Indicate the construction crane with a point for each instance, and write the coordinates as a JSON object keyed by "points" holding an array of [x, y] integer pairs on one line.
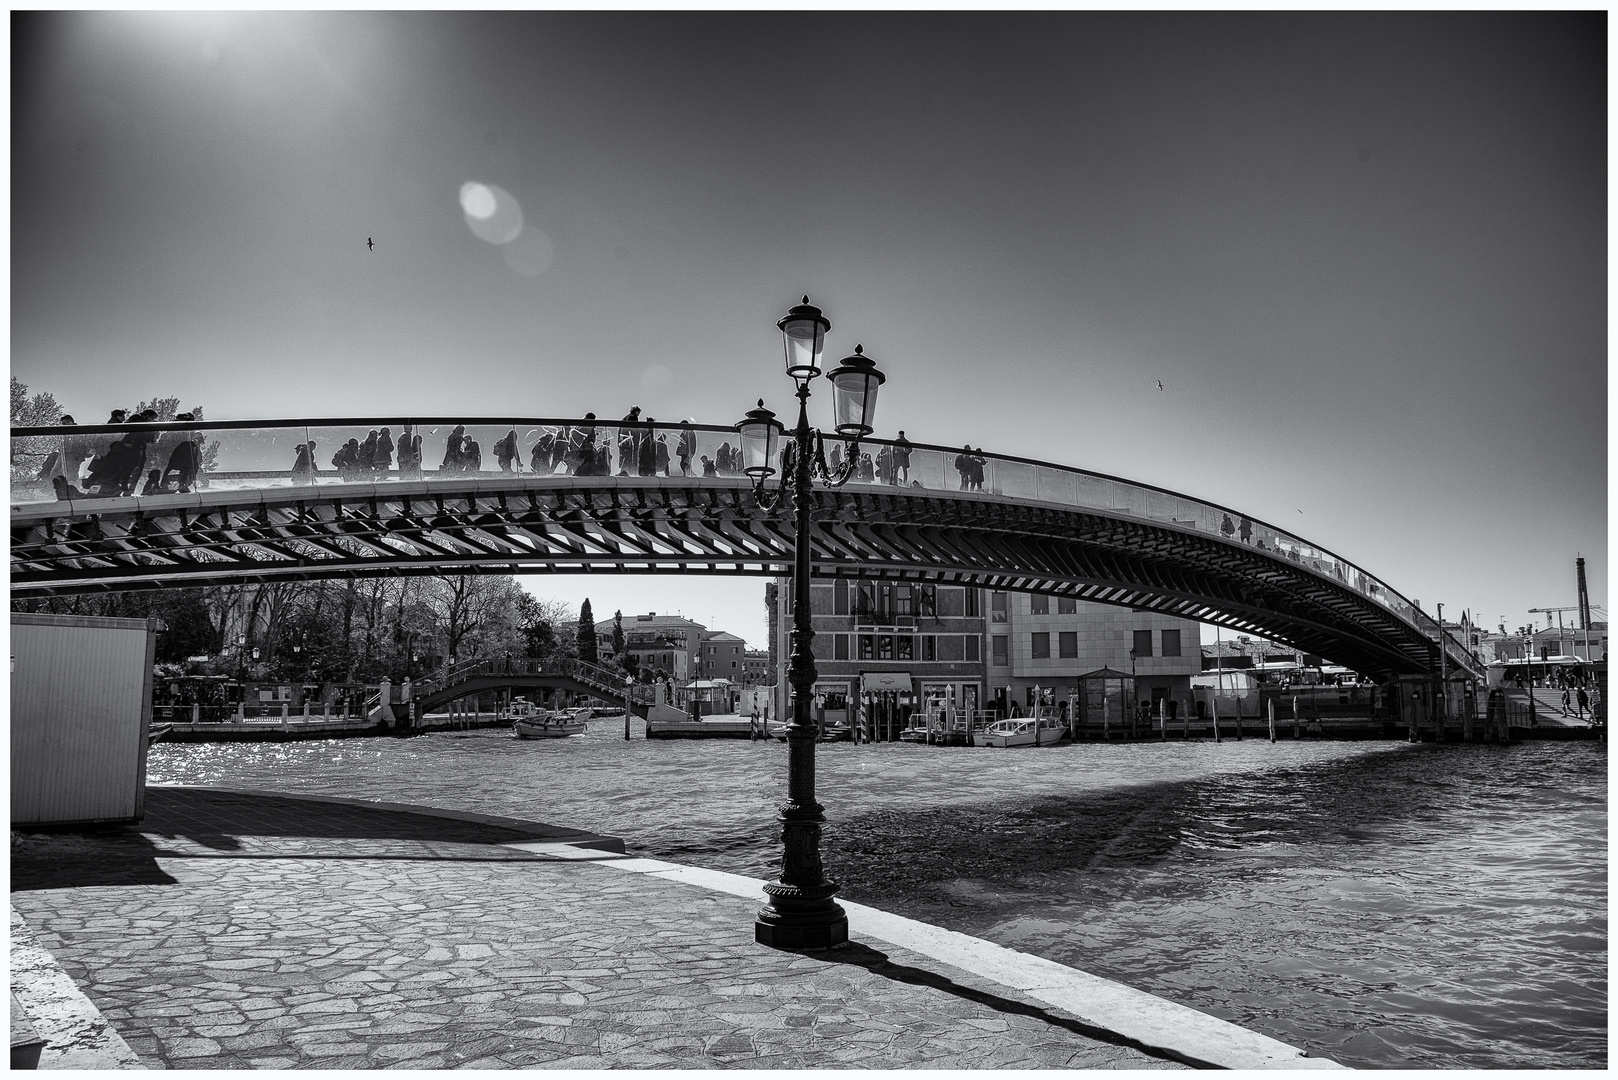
{"points": [[1557, 611]]}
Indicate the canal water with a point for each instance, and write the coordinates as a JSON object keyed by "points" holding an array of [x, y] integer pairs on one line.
{"points": [[1379, 903]]}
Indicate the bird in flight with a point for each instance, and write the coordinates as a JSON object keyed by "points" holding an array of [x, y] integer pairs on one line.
{"points": [[1160, 386], [371, 244]]}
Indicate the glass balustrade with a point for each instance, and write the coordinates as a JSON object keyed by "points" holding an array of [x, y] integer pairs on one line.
{"points": [[103, 466]]}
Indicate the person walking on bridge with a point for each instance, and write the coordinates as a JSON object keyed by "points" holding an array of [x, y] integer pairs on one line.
{"points": [[901, 458], [505, 451], [185, 461], [382, 456], [686, 448]]}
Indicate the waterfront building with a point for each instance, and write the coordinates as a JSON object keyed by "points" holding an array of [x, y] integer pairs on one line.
{"points": [[670, 644], [1546, 643], [1048, 642], [757, 670], [722, 656], [883, 648], [1243, 651]]}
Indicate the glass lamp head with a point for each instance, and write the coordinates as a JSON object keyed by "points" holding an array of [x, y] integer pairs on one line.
{"points": [[854, 384], [759, 431], [803, 332]]}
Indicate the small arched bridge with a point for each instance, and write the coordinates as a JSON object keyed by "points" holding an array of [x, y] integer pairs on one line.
{"points": [[526, 673], [569, 496]]}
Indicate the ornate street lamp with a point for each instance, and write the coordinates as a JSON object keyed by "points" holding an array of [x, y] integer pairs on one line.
{"points": [[800, 912]]}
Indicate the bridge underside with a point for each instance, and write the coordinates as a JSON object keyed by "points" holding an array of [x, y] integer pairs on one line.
{"points": [[685, 526], [482, 685]]}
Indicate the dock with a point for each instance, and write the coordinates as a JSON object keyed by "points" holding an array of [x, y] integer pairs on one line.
{"points": [[709, 727]]}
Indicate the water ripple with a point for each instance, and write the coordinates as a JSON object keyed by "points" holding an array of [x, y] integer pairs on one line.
{"points": [[1379, 903]]}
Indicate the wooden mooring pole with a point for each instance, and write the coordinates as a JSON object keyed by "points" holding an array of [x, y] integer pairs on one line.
{"points": [[1294, 716], [1213, 702], [1271, 704]]}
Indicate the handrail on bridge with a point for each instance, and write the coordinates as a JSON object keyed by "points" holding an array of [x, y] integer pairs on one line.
{"points": [[290, 453], [610, 682]]}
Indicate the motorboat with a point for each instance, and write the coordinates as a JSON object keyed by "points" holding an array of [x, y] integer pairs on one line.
{"points": [[777, 730], [528, 722], [1012, 732], [1022, 731]]}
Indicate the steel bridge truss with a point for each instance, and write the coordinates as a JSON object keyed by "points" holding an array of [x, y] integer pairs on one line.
{"points": [[689, 525]]}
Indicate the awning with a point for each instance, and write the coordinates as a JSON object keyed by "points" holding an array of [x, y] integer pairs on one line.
{"points": [[885, 680]]}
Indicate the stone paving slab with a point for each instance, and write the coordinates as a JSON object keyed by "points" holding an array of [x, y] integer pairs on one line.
{"points": [[255, 941]]}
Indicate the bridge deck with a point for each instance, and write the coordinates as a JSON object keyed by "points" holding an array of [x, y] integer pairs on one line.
{"points": [[916, 512]]}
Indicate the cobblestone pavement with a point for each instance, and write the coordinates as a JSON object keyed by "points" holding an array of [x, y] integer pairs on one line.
{"points": [[247, 931]]}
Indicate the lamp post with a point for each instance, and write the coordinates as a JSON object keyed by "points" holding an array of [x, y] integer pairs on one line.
{"points": [[799, 912]]}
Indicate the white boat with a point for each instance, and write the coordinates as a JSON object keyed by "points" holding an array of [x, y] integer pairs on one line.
{"points": [[1023, 731], [528, 722]]}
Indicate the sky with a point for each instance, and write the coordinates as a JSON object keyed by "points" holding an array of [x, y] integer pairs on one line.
{"points": [[1365, 253]]}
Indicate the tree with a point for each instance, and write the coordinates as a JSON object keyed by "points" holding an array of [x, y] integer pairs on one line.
{"points": [[41, 410], [618, 635], [587, 633], [537, 621]]}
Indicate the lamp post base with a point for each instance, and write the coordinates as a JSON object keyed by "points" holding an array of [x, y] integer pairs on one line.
{"points": [[824, 931]]}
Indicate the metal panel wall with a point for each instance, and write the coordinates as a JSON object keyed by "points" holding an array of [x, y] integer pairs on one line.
{"points": [[80, 707]]}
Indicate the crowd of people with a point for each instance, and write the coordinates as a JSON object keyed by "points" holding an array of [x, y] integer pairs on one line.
{"points": [[117, 466], [110, 466]]}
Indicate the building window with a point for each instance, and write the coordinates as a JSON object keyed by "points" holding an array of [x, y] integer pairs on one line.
{"points": [[867, 647], [1039, 604], [1066, 605], [905, 648], [1001, 653], [929, 647], [839, 647], [974, 645], [1143, 643], [997, 607], [1068, 642], [884, 647], [972, 609], [904, 599], [1042, 646], [1171, 643], [839, 594], [929, 601]]}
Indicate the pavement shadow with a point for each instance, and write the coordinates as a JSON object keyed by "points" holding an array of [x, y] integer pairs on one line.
{"points": [[63, 860], [69, 858], [216, 819], [878, 963]]}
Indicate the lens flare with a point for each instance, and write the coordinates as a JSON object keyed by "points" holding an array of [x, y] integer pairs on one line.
{"points": [[477, 200]]}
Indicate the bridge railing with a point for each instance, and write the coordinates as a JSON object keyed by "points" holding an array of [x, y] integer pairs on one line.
{"points": [[610, 680], [86, 465]]}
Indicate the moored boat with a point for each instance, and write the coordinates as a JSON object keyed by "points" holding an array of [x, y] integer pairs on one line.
{"points": [[1022, 731], [528, 722], [1009, 732]]}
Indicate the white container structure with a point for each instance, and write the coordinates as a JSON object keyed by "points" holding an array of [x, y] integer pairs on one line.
{"points": [[81, 703]]}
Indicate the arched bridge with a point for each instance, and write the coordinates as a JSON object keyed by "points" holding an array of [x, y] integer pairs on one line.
{"points": [[526, 673], [572, 496]]}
